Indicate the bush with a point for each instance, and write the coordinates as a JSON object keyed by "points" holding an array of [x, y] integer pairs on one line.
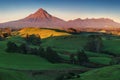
{"points": [[33, 39], [12, 47], [72, 59], [94, 44], [82, 57], [23, 48], [41, 52], [52, 56]]}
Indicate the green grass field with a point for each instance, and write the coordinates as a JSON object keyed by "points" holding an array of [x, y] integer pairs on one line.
{"points": [[10, 62], [70, 44], [13, 75], [106, 73], [101, 60], [112, 46], [73, 42], [27, 62], [62, 44]]}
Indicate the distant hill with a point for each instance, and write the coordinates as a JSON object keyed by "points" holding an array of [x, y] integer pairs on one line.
{"points": [[44, 33], [101, 23], [43, 19], [106, 73]]}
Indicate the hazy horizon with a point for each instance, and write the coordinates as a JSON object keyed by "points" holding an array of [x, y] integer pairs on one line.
{"points": [[64, 9]]}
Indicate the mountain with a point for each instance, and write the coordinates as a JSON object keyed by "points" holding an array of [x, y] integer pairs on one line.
{"points": [[100, 23], [39, 19], [43, 19]]}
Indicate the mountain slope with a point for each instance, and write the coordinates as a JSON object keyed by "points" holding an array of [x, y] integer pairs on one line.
{"points": [[43, 19], [101, 23], [39, 19]]}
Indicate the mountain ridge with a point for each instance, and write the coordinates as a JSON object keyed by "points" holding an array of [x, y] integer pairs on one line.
{"points": [[41, 18]]}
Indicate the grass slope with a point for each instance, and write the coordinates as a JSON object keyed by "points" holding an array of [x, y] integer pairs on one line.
{"points": [[29, 62], [106, 73], [26, 62], [44, 33], [112, 46], [100, 60], [13, 75], [73, 42]]}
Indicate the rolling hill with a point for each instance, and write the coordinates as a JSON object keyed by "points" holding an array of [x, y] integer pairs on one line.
{"points": [[13, 75], [44, 33], [106, 73]]}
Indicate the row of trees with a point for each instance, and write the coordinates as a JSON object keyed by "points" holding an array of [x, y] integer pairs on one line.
{"points": [[80, 58], [48, 53], [94, 44]]}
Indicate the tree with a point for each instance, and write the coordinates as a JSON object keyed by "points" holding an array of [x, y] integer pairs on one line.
{"points": [[33, 39], [72, 59], [41, 52], [94, 43], [1, 38], [12, 47], [34, 51], [23, 48], [52, 55], [82, 57]]}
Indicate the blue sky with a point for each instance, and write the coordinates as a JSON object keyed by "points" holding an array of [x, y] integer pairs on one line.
{"points": [[66, 9]]}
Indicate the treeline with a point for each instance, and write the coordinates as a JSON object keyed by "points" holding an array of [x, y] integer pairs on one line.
{"points": [[24, 48], [80, 58], [94, 44], [48, 53]]}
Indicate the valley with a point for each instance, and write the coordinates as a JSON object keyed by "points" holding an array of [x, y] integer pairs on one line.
{"points": [[34, 67]]}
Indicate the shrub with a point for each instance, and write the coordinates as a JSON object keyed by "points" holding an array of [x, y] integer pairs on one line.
{"points": [[33, 39], [12, 47], [82, 57]]}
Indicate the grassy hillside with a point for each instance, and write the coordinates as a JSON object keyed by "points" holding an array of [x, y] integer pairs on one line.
{"points": [[73, 42], [27, 62], [44, 33], [63, 41], [13, 75], [70, 44], [106, 73], [100, 60], [10, 63], [112, 46], [64, 45]]}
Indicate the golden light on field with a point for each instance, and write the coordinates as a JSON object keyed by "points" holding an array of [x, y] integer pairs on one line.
{"points": [[44, 33]]}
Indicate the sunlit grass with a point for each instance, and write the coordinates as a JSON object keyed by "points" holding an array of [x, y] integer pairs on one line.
{"points": [[44, 33]]}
